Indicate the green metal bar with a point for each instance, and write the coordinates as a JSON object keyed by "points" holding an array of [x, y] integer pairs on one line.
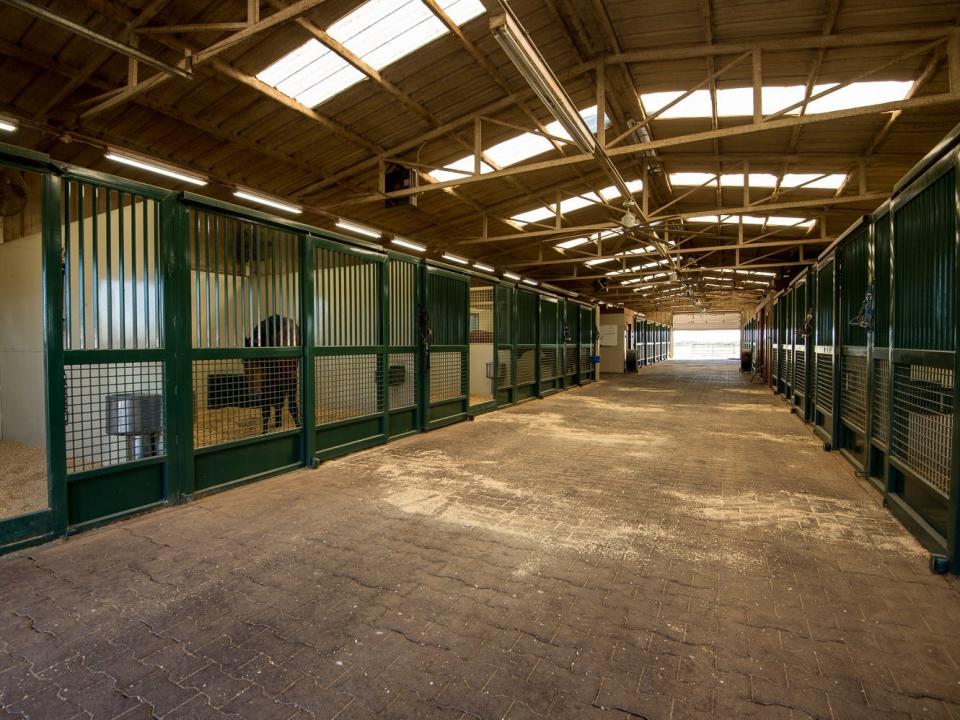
{"points": [[134, 275], [53, 324], [217, 317], [308, 340], [81, 228], [109, 271], [953, 520], [67, 330], [95, 247], [94, 357]]}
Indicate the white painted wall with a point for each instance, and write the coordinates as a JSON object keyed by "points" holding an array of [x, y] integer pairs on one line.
{"points": [[22, 400]]}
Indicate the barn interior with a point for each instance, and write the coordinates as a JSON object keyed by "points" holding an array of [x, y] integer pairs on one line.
{"points": [[479, 358]]}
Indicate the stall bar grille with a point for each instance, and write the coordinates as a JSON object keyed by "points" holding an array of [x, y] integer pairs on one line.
{"points": [[403, 380], [504, 368], [776, 363], [586, 367], [788, 366], [114, 414], [448, 376], [853, 391], [800, 376], [570, 360], [526, 365], [881, 400], [825, 382], [923, 423], [782, 364], [240, 398], [347, 387], [549, 358]]}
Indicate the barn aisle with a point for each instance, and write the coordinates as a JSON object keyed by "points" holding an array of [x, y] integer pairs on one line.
{"points": [[694, 553]]}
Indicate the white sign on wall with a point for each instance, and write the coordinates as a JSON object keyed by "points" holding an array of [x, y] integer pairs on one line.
{"points": [[608, 335]]}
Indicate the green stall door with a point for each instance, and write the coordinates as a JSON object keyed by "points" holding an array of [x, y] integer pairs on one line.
{"points": [[446, 350]]}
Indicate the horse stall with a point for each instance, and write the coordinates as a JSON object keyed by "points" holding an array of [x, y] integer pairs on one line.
{"points": [[879, 350], [403, 383], [447, 355], [853, 286], [504, 328], [550, 345], [802, 337], [528, 315], [586, 339], [483, 369], [825, 410], [246, 341], [24, 490], [568, 335], [923, 480]]}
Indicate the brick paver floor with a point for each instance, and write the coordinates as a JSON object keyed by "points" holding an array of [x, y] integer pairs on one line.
{"points": [[666, 545]]}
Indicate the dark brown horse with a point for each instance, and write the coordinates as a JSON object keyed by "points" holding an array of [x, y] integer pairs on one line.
{"points": [[272, 382]]}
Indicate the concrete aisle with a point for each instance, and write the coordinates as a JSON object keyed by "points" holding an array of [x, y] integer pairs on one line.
{"points": [[666, 545]]}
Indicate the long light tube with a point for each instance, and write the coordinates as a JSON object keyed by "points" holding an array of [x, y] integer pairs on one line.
{"points": [[256, 197], [8, 125], [358, 229], [456, 259], [409, 244], [126, 158]]}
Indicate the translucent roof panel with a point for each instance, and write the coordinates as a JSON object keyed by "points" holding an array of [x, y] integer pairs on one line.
{"points": [[738, 102], [464, 164], [379, 32], [612, 193], [778, 220], [568, 205], [521, 147], [574, 242], [819, 181]]}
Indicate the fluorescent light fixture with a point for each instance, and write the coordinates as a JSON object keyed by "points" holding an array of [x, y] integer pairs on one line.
{"points": [[256, 197], [358, 229], [154, 167], [456, 259], [534, 69], [528, 281], [482, 267], [409, 244], [511, 276], [8, 125]]}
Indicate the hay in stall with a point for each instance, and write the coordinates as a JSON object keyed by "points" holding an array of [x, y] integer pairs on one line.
{"points": [[23, 479]]}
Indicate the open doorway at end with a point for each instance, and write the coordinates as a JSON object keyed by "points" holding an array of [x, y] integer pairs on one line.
{"points": [[706, 336]]}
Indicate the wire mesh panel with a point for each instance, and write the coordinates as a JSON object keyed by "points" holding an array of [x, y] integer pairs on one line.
{"points": [[347, 387], [402, 380], [825, 382], [448, 376], [239, 398], [923, 422], [881, 401], [114, 413], [853, 391]]}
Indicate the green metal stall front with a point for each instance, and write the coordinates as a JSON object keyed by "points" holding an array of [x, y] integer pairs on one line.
{"points": [[802, 342], [505, 338], [587, 368], [824, 366], [528, 313], [550, 345], [923, 481], [879, 350], [446, 350], [853, 280]]}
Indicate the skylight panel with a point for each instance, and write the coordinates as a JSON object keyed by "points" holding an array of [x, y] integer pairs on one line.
{"points": [[738, 102], [464, 164], [572, 243], [859, 94], [691, 179], [568, 205], [817, 181], [379, 32], [521, 147], [612, 193], [757, 180], [755, 220]]}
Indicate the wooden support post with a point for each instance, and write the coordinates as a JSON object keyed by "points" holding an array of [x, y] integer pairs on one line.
{"points": [[953, 59], [477, 144], [133, 66], [253, 12], [601, 105]]}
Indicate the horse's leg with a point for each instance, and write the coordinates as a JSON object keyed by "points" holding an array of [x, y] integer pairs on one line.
{"points": [[278, 413]]}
